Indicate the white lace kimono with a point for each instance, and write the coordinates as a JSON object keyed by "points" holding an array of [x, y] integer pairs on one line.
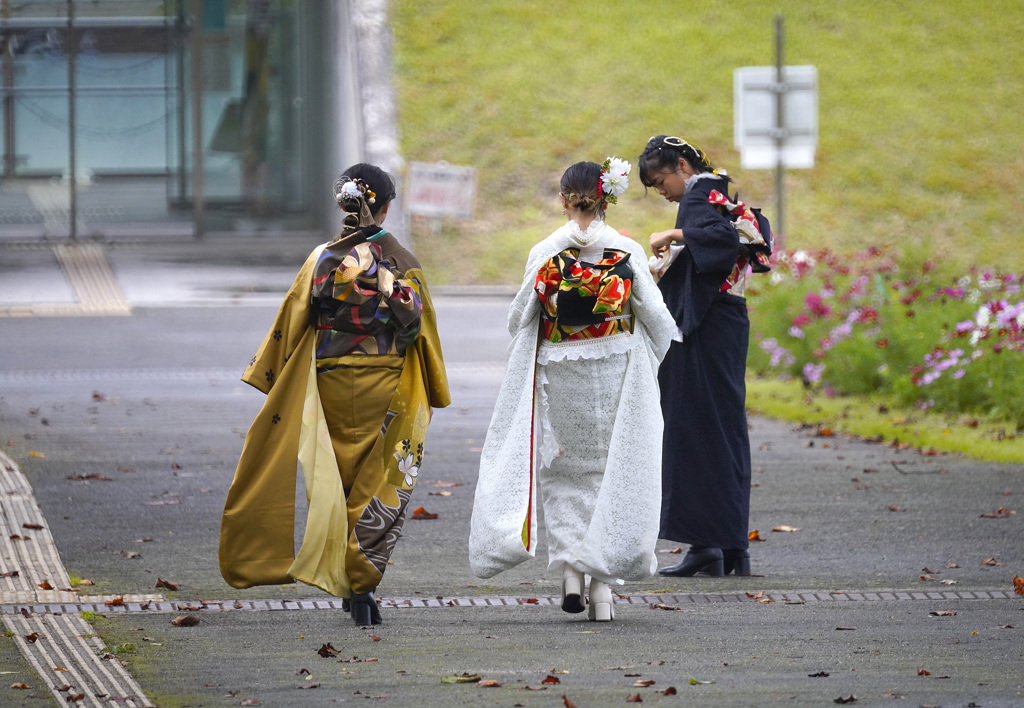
{"points": [[582, 419]]}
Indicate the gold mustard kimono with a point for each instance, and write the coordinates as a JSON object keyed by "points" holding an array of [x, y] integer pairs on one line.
{"points": [[357, 429]]}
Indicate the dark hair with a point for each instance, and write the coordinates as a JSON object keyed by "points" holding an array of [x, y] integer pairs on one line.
{"points": [[581, 186], [663, 153], [379, 182]]}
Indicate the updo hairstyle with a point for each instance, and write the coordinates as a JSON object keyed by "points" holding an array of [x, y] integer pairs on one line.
{"points": [[663, 153], [369, 178], [581, 187]]}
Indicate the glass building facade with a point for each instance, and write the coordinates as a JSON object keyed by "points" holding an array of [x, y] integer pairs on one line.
{"points": [[112, 92]]}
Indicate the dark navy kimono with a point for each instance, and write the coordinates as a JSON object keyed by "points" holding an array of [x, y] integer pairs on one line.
{"points": [[706, 452]]}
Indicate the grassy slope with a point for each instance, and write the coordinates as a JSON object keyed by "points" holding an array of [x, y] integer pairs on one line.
{"points": [[919, 143]]}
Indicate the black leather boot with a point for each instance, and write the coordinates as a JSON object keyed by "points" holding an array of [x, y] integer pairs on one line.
{"points": [[737, 561], [698, 560], [364, 609]]}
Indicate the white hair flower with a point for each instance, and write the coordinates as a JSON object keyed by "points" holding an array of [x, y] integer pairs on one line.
{"points": [[614, 180], [349, 190]]}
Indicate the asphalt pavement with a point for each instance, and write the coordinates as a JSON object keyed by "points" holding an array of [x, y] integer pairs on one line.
{"points": [[120, 405]]}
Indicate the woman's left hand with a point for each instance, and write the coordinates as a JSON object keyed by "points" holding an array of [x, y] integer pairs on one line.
{"points": [[661, 240]]}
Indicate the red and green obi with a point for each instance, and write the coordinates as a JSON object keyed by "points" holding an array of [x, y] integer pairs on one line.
{"points": [[582, 300]]}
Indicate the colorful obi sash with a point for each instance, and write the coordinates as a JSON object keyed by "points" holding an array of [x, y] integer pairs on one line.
{"points": [[361, 304], [754, 250], [583, 300]]}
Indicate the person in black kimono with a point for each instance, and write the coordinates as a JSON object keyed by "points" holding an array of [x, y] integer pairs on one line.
{"points": [[706, 448]]}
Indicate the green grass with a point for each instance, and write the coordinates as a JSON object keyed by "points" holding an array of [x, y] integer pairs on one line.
{"points": [[878, 418], [919, 141]]}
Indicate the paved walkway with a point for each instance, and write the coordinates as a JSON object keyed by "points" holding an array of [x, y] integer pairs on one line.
{"points": [[121, 425]]}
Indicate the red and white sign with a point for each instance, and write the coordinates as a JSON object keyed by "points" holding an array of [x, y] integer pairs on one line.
{"points": [[439, 189]]}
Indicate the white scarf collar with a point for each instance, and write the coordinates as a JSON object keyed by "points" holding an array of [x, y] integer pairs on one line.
{"points": [[585, 238], [693, 179]]}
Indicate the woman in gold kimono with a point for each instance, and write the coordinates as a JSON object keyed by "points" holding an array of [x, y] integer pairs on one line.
{"points": [[352, 368]]}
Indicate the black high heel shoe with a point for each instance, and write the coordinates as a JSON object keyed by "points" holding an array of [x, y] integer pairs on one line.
{"points": [[709, 561], [737, 562], [364, 609]]}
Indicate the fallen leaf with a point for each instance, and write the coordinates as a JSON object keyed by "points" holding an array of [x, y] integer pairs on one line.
{"points": [[635, 699], [39, 455], [765, 601], [74, 698], [990, 561], [529, 601], [1000, 513], [328, 650], [160, 583], [421, 513], [33, 527], [1018, 585], [849, 699], [461, 678], [923, 672], [845, 629], [926, 569], [670, 691], [662, 606], [10, 574], [893, 507], [488, 683], [439, 494], [754, 596], [567, 703], [927, 577], [754, 536], [185, 621], [116, 602], [552, 679], [249, 702], [947, 581], [785, 529], [45, 585], [439, 483], [643, 683], [32, 638], [312, 685], [698, 682], [952, 565], [534, 688], [671, 550], [820, 674], [374, 637], [23, 686], [942, 613]]}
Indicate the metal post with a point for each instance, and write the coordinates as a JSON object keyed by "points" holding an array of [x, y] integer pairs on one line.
{"points": [[10, 161], [73, 183], [198, 185], [780, 124]]}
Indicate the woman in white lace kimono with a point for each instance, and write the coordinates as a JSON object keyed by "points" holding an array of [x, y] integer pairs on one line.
{"points": [[578, 412]]}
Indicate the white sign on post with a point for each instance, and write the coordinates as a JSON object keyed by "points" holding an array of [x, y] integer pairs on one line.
{"points": [[757, 135], [439, 189]]}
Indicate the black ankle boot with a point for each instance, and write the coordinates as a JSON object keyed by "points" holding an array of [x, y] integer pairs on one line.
{"points": [[698, 560], [737, 561], [364, 609]]}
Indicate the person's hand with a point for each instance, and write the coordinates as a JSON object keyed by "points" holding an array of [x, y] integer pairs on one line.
{"points": [[661, 240]]}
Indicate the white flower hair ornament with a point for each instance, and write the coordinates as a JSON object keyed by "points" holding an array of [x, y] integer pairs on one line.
{"points": [[614, 179], [354, 189]]}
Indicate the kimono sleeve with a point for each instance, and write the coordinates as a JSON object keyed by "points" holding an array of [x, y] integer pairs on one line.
{"points": [[710, 237], [284, 335], [429, 345]]}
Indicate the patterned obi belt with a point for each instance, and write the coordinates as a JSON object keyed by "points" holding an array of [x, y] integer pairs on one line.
{"points": [[582, 300], [362, 305]]}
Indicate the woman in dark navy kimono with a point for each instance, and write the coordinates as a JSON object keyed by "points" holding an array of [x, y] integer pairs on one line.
{"points": [[706, 454]]}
